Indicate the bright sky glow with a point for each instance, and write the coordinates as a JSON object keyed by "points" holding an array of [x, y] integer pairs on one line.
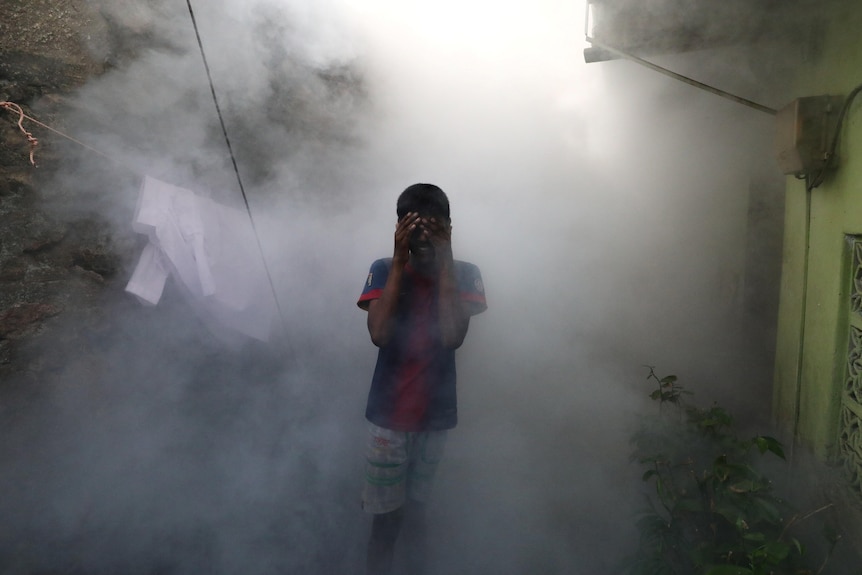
{"points": [[479, 27]]}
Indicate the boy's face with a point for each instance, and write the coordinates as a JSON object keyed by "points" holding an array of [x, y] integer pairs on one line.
{"points": [[421, 245]]}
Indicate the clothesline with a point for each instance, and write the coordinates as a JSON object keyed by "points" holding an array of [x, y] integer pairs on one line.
{"points": [[13, 107], [17, 109]]}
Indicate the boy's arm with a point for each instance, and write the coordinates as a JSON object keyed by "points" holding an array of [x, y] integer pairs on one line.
{"points": [[381, 312], [453, 317]]}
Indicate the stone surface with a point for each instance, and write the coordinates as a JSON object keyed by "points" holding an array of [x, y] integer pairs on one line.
{"points": [[47, 48]]}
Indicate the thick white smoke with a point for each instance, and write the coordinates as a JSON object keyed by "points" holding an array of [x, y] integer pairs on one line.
{"points": [[605, 205]]}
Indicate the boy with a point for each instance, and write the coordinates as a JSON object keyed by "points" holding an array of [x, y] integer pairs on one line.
{"points": [[419, 304]]}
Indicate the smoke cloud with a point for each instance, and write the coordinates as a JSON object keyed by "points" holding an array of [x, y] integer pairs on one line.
{"points": [[606, 206]]}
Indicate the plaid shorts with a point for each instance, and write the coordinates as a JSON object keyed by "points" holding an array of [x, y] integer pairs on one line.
{"points": [[400, 465]]}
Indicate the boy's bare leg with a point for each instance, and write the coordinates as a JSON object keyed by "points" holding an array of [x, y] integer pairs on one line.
{"points": [[381, 546], [415, 537]]}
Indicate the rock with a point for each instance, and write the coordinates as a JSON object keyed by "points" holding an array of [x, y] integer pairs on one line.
{"points": [[20, 318]]}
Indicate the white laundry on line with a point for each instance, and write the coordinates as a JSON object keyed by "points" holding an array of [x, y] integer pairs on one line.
{"points": [[210, 248]]}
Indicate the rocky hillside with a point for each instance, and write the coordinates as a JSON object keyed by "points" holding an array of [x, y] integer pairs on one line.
{"points": [[48, 49], [93, 385], [63, 264]]}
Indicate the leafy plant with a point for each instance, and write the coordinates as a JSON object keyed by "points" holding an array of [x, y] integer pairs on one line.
{"points": [[711, 511]]}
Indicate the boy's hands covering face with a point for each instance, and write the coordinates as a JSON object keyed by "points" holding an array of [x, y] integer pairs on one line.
{"points": [[425, 237], [438, 231], [403, 230]]}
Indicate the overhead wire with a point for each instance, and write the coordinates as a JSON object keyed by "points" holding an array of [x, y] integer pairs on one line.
{"points": [[235, 166], [682, 78]]}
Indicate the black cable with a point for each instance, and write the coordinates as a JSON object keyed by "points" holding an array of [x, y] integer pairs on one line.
{"points": [[685, 79], [235, 167]]}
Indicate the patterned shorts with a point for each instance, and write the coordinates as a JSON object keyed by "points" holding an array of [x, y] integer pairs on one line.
{"points": [[400, 465]]}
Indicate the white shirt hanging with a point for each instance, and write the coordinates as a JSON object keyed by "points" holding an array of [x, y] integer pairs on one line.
{"points": [[210, 248]]}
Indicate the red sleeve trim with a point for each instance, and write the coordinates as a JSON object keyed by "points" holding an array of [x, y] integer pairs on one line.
{"points": [[476, 302], [475, 297], [368, 296]]}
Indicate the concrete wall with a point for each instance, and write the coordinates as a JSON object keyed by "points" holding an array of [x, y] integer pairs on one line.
{"points": [[812, 328]]}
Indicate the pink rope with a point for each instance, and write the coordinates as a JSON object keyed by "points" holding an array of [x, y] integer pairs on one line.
{"points": [[13, 107]]}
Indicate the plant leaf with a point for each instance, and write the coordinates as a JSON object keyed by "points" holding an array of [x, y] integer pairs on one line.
{"points": [[765, 443], [777, 551], [689, 504], [744, 486], [727, 570]]}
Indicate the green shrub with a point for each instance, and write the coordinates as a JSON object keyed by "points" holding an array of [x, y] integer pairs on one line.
{"points": [[712, 510]]}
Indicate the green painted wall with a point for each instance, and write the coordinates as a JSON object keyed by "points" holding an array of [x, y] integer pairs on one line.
{"points": [[811, 343]]}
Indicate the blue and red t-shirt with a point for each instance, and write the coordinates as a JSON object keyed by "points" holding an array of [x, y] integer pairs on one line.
{"points": [[413, 388]]}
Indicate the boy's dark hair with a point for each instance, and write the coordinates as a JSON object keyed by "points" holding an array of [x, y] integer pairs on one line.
{"points": [[426, 199]]}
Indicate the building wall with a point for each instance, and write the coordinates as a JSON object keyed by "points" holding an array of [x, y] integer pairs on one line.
{"points": [[811, 347]]}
